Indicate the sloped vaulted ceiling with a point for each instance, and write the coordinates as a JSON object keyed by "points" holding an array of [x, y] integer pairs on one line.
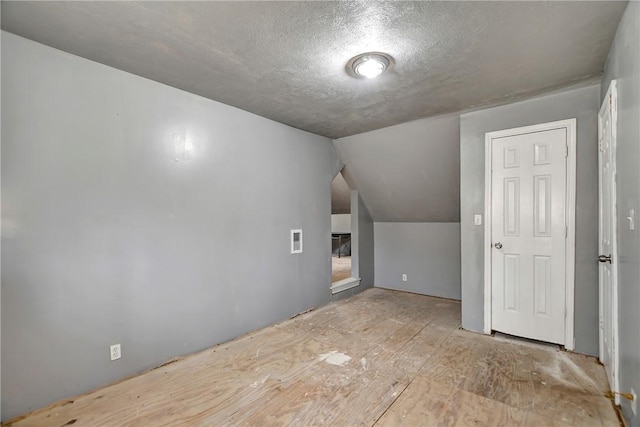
{"points": [[409, 172], [340, 196]]}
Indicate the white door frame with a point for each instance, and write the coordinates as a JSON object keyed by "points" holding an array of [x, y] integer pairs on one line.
{"points": [[610, 97], [570, 220]]}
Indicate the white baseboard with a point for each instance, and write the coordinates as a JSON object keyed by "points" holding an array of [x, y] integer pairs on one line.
{"points": [[345, 284]]}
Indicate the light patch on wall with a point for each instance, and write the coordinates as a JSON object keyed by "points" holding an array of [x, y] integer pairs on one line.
{"points": [[185, 145]]}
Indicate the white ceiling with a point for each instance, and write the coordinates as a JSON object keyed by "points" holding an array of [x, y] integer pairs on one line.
{"points": [[285, 60]]}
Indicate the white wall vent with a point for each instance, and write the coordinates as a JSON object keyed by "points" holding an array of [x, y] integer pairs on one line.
{"points": [[296, 241]]}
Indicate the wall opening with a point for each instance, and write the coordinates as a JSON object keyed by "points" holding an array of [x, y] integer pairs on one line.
{"points": [[340, 229]]}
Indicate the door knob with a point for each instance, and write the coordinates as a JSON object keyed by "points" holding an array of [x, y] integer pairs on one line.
{"points": [[604, 258], [498, 245]]}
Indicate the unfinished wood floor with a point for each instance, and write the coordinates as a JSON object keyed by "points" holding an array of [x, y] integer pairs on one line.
{"points": [[380, 358]]}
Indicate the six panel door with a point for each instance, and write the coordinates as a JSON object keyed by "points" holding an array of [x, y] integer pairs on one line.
{"points": [[528, 235]]}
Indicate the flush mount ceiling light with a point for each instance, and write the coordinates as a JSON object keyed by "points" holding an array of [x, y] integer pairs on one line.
{"points": [[369, 65]]}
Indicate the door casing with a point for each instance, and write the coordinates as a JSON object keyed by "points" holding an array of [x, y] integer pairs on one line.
{"points": [[570, 215]]}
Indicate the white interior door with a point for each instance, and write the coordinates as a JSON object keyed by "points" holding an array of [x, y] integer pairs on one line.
{"points": [[528, 232], [607, 237]]}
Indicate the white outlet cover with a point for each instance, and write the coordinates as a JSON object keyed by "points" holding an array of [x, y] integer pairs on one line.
{"points": [[115, 352], [477, 219], [404, 277]]}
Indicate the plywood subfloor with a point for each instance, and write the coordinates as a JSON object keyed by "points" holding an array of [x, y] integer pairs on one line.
{"points": [[340, 268], [383, 358]]}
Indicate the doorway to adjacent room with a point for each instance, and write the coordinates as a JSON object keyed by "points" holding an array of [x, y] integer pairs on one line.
{"points": [[340, 229]]}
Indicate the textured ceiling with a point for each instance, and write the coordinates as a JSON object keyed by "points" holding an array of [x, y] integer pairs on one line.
{"points": [[285, 60]]}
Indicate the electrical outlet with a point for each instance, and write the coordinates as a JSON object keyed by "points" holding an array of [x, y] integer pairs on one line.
{"points": [[477, 219], [634, 402], [115, 352], [404, 277]]}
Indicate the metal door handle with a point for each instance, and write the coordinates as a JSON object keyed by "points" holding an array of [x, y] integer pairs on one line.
{"points": [[498, 245], [604, 258]]}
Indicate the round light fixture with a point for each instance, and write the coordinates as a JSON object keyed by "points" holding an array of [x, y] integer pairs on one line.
{"points": [[369, 65]]}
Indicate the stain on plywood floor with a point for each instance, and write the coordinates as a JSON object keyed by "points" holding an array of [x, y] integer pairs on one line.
{"points": [[382, 357]]}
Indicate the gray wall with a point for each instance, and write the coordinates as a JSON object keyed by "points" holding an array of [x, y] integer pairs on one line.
{"points": [[406, 173], [362, 242], [1, 220], [583, 104], [429, 253], [107, 239], [341, 223], [624, 65]]}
